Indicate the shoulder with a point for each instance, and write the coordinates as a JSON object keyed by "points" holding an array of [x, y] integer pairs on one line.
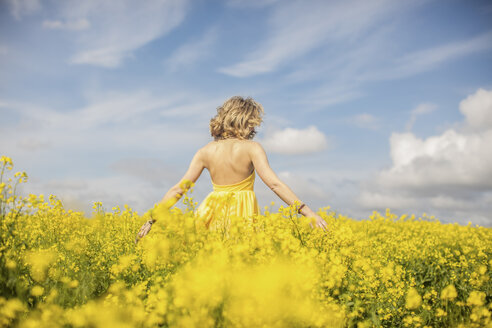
{"points": [[254, 144], [211, 145], [207, 146], [202, 151], [254, 147], [205, 150]]}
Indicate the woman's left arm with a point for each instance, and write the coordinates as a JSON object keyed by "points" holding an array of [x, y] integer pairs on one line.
{"points": [[174, 194], [194, 171]]}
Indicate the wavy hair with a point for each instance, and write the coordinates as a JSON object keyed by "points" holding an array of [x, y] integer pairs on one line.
{"points": [[236, 118]]}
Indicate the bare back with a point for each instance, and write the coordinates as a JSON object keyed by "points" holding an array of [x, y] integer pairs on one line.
{"points": [[231, 161], [228, 161]]}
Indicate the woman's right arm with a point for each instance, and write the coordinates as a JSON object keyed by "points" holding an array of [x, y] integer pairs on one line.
{"points": [[262, 167]]}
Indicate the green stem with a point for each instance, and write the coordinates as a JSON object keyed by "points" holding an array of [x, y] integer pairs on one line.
{"points": [[297, 229]]}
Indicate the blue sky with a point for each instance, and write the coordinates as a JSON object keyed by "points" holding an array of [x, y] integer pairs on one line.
{"points": [[368, 104]]}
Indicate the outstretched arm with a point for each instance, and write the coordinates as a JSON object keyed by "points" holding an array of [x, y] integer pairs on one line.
{"points": [[194, 171], [260, 162], [174, 194]]}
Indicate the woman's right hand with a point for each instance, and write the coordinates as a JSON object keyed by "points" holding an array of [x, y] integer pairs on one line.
{"points": [[319, 223]]}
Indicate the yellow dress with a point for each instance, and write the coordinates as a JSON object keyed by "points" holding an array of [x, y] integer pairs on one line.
{"points": [[237, 199]]}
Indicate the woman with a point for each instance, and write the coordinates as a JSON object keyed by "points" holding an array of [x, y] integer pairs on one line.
{"points": [[232, 159]]}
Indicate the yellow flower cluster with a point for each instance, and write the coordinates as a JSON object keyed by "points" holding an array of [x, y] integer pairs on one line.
{"points": [[413, 299], [60, 268]]}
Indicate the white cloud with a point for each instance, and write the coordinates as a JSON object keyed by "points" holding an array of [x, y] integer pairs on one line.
{"points": [[379, 200], [19, 8], [450, 160], [190, 53], [76, 25], [477, 109], [421, 109], [296, 141], [109, 32], [450, 173]]}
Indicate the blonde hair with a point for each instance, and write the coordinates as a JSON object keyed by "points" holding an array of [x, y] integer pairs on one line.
{"points": [[235, 118]]}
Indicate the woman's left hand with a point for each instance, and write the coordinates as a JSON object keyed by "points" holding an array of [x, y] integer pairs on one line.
{"points": [[144, 230]]}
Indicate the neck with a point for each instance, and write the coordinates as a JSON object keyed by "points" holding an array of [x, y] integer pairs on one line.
{"points": [[229, 139]]}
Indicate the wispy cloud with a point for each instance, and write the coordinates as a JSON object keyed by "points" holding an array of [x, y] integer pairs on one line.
{"points": [[328, 94], [192, 109], [421, 109], [118, 108], [365, 121], [114, 107], [343, 46], [190, 53], [250, 3], [308, 28], [427, 59], [19, 8], [109, 32], [77, 25], [116, 121]]}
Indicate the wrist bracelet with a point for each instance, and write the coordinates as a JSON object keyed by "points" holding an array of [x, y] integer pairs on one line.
{"points": [[299, 209]]}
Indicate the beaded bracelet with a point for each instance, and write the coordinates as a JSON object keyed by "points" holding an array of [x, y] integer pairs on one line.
{"points": [[299, 209]]}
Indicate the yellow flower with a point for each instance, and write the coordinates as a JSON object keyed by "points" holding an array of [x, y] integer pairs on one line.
{"points": [[73, 283], [9, 309], [441, 313], [476, 298], [11, 264], [413, 299], [37, 290], [186, 184], [449, 293], [65, 279], [39, 261]]}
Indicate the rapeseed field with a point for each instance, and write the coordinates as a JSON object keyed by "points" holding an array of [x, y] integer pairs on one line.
{"points": [[61, 269]]}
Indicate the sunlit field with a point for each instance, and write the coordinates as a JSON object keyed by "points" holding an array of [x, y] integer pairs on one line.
{"points": [[61, 269]]}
